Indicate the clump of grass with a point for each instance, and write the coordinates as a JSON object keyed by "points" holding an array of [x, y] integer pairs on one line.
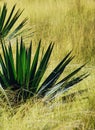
{"points": [[56, 116], [88, 118]]}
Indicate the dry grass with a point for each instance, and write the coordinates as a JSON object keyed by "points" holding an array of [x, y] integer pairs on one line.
{"points": [[70, 24], [79, 115]]}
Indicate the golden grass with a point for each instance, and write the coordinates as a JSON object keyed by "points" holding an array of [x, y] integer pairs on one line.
{"points": [[71, 25], [79, 115]]}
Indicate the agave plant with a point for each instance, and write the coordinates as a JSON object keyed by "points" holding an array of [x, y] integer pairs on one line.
{"points": [[25, 76], [7, 23]]}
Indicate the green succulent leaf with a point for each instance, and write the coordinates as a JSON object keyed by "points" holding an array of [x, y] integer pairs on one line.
{"points": [[7, 23], [35, 62], [62, 87], [42, 67], [55, 74]]}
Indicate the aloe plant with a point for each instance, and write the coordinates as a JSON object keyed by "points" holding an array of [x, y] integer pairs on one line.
{"points": [[25, 76], [7, 23]]}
